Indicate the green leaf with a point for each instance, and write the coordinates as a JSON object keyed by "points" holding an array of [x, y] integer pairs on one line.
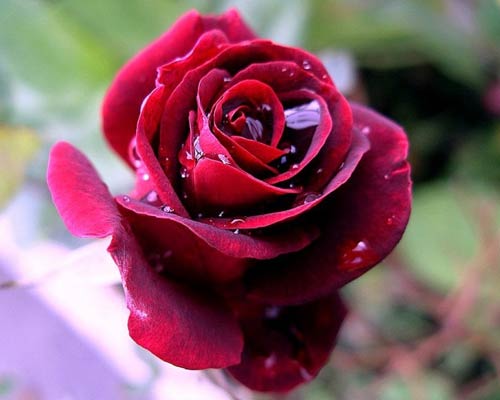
{"points": [[17, 148], [442, 236]]}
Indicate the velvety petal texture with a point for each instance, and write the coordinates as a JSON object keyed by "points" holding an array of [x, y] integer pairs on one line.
{"points": [[259, 192]]}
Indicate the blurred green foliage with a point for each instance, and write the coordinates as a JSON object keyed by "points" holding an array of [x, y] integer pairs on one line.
{"points": [[425, 63]]}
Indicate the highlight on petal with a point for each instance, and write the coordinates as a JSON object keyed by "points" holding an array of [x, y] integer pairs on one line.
{"points": [[286, 346], [369, 213], [189, 327], [136, 79], [81, 198]]}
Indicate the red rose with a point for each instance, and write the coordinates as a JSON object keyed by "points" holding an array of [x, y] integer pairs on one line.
{"points": [[260, 191]]}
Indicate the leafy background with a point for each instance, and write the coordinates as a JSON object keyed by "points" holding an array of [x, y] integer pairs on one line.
{"points": [[426, 324]]}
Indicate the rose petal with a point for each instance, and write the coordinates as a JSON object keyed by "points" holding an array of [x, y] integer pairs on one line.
{"points": [[286, 346], [307, 200], [364, 220], [137, 78], [154, 223], [81, 198], [217, 186], [151, 172], [188, 327]]}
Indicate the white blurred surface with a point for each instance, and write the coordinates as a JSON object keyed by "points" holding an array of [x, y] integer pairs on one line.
{"points": [[64, 334]]}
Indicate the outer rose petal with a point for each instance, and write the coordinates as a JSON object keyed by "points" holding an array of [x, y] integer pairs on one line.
{"points": [[183, 326], [136, 79], [364, 220], [287, 346], [81, 198], [187, 327]]}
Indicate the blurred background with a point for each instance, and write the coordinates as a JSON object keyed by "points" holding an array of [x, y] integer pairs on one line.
{"points": [[424, 325]]}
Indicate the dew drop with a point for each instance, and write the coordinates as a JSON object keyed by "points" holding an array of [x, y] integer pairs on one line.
{"points": [[310, 197], [366, 130], [389, 221], [386, 177], [284, 69], [126, 199], [189, 156], [292, 149], [324, 76], [254, 128], [184, 195], [270, 361], [358, 256], [152, 197], [145, 177], [167, 209], [237, 221], [184, 173], [295, 166], [291, 74], [342, 165], [200, 215], [319, 170], [133, 155], [272, 312], [306, 65], [221, 214], [227, 79], [305, 374], [224, 159], [266, 107], [236, 231], [303, 116], [198, 152]]}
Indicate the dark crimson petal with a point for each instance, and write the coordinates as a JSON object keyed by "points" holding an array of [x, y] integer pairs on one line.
{"points": [[285, 77], [365, 220], [234, 58], [183, 326], [260, 150], [319, 138], [286, 346], [188, 327], [154, 222], [150, 172], [81, 198], [137, 78], [308, 200], [219, 186]]}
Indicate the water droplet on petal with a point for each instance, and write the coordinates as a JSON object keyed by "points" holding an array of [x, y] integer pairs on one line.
{"points": [[167, 209], [237, 221], [126, 199], [293, 149], [152, 197], [272, 312], [324, 76], [319, 170], [359, 256], [198, 152], [291, 74], [236, 231], [305, 374], [133, 155], [145, 177], [270, 361], [366, 130], [303, 116], [184, 195], [227, 79], [266, 107], [184, 173], [200, 215], [284, 69], [386, 177], [295, 166], [306, 65], [189, 156], [310, 197], [221, 214], [389, 221], [224, 159]]}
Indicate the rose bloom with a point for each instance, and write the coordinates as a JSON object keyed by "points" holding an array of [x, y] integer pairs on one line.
{"points": [[260, 191]]}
